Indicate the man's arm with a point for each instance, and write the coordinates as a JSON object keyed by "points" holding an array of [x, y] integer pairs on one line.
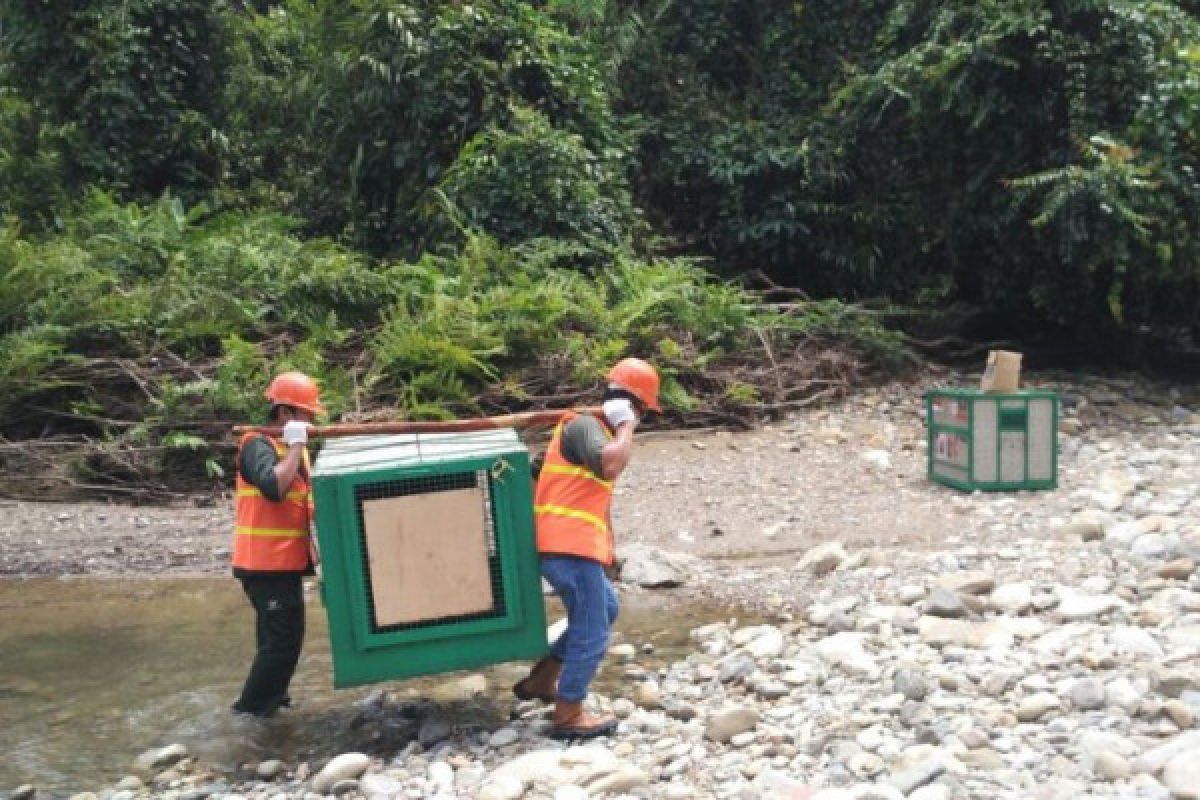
{"points": [[616, 454], [264, 469], [285, 470], [585, 443]]}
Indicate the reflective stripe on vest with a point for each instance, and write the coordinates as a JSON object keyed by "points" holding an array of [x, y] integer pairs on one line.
{"points": [[571, 506], [272, 536]]}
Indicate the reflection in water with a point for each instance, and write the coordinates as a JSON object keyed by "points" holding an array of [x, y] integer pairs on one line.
{"points": [[95, 671]]}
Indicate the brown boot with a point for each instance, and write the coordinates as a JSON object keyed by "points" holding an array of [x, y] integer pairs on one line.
{"points": [[572, 722], [542, 681]]}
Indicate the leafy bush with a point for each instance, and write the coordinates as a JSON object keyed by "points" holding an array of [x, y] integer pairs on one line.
{"points": [[157, 326], [534, 181], [132, 88], [366, 105]]}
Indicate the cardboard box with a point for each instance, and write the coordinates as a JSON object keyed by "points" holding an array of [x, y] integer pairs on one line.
{"points": [[1003, 372]]}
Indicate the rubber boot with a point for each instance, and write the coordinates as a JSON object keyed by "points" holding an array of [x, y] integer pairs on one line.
{"points": [[542, 681], [572, 722]]}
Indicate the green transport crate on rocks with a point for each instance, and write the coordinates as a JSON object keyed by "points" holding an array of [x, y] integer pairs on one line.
{"points": [[994, 441], [427, 552]]}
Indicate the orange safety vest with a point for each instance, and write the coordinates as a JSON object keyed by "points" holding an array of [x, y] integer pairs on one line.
{"points": [[571, 506], [272, 536]]}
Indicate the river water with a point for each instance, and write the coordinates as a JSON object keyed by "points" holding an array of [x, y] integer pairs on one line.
{"points": [[95, 671]]}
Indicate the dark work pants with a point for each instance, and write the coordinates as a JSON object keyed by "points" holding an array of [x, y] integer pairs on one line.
{"points": [[279, 630]]}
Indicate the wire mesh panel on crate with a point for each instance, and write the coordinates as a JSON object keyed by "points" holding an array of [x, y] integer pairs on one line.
{"points": [[992, 441], [428, 555]]}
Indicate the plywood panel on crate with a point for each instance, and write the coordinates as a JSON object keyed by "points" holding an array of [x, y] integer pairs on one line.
{"points": [[428, 556]]}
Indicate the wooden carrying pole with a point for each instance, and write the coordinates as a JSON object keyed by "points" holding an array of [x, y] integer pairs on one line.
{"points": [[528, 419]]}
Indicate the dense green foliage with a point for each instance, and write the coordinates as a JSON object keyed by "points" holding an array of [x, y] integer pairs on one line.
{"points": [[431, 203], [139, 321], [1035, 158]]}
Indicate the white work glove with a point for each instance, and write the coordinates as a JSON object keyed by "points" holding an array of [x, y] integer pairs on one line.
{"points": [[295, 432], [619, 410]]}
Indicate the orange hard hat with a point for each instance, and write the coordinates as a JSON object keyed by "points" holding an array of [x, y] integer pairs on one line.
{"points": [[639, 379], [295, 389]]}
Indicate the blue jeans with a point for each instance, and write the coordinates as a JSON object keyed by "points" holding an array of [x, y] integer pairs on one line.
{"points": [[591, 605]]}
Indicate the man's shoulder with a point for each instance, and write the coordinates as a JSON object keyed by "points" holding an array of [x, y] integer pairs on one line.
{"points": [[583, 424]]}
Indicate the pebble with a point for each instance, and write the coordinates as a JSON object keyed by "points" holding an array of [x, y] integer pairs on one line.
{"points": [[1111, 766], [347, 766], [727, 723], [1181, 775]]}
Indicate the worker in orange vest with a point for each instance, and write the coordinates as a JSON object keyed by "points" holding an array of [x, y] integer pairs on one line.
{"points": [[572, 504], [272, 551]]}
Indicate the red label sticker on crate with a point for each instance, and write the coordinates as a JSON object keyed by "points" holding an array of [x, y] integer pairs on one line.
{"points": [[951, 448]]}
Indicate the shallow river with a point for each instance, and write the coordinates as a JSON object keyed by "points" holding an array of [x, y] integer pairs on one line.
{"points": [[95, 671]]}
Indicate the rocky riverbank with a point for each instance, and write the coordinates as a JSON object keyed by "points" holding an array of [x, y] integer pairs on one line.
{"points": [[1027, 645]]}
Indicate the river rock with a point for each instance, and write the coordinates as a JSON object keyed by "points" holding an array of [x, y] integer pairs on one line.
{"points": [[344, 787], [1111, 766], [622, 779], [846, 651], [622, 652], [160, 758], [652, 568], [268, 770], [911, 683], [571, 792], [1075, 606], [1036, 706], [914, 777], [1180, 713], [945, 603], [1182, 775], [735, 668], [761, 641], [983, 758], [536, 765], [1184, 637], [434, 730], [25, 791], [1122, 694], [1087, 694], [934, 791], [1125, 640], [502, 787], [380, 787], [941, 632], [1012, 598], [1156, 759], [503, 737], [1087, 531], [823, 559], [729, 722], [1172, 682], [968, 582], [1153, 545], [455, 691], [647, 695], [347, 766], [1178, 570]]}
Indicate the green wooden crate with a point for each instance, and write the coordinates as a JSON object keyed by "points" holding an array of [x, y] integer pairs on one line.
{"points": [[428, 556], [991, 440]]}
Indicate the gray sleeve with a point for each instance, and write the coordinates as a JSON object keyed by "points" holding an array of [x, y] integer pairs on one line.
{"points": [[257, 466], [583, 443]]}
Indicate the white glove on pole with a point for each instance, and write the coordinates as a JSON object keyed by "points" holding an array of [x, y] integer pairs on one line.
{"points": [[619, 410], [295, 432]]}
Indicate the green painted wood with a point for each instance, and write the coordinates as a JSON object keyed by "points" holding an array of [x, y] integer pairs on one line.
{"points": [[362, 655]]}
